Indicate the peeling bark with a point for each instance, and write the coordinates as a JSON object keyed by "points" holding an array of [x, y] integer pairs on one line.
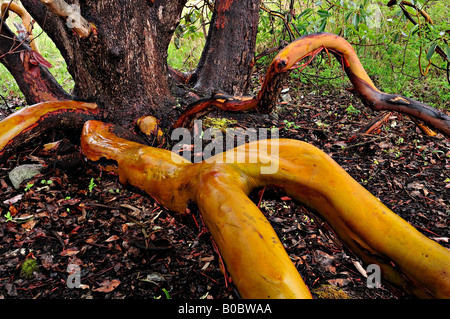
{"points": [[34, 80], [72, 17], [31, 122]]}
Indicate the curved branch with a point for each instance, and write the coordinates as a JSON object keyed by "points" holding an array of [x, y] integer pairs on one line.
{"points": [[410, 4], [252, 252], [30, 122], [28, 69], [311, 45], [26, 20]]}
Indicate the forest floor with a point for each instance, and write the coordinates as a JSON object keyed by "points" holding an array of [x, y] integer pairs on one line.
{"points": [[128, 246]]}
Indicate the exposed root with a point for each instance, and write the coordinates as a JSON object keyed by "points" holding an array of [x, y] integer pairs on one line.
{"points": [[310, 46], [255, 257]]}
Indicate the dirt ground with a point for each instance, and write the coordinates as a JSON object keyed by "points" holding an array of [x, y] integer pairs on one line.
{"points": [[128, 246]]}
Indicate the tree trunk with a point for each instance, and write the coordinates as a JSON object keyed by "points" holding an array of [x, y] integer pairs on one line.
{"points": [[123, 65], [226, 61]]}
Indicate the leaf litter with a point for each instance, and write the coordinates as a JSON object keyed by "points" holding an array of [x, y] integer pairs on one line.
{"points": [[127, 246]]}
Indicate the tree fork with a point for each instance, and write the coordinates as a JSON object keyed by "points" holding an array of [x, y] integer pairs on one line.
{"points": [[122, 66]]}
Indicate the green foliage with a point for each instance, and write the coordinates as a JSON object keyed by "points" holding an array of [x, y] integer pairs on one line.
{"points": [[8, 216], [399, 56], [91, 185], [351, 110], [395, 52], [189, 37]]}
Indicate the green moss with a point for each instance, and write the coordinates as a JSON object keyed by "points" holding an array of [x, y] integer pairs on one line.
{"points": [[28, 267], [219, 123], [330, 292]]}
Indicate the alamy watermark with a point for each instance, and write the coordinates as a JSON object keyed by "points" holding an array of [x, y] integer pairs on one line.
{"points": [[374, 16], [74, 278], [373, 276], [204, 145]]}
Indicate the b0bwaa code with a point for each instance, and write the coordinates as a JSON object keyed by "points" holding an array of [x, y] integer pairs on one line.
{"points": [[246, 308]]}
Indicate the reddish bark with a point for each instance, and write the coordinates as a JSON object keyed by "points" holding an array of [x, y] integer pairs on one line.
{"points": [[30, 72], [31, 122], [226, 61], [309, 46], [123, 68]]}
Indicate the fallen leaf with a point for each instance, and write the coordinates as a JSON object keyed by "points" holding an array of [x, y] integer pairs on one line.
{"points": [[339, 282], [13, 200], [29, 224], [112, 238], [70, 251], [108, 286]]}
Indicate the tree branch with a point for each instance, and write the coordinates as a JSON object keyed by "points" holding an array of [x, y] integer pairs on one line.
{"points": [[30, 122], [309, 46], [250, 248], [24, 15], [28, 69], [71, 14]]}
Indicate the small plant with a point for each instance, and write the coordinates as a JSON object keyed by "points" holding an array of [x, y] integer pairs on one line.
{"points": [[28, 267], [46, 182], [165, 293], [28, 187], [91, 185], [289, 125], [8, 217], [399, 141], [351, 110]]}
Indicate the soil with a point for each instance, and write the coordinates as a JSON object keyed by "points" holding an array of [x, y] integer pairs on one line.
{"points": [[126, 245]]}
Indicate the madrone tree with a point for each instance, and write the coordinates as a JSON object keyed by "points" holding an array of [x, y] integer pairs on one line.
{"points": [[116, 53]]}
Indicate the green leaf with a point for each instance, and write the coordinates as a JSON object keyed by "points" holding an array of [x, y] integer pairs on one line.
{"points": [[414, 29], [305, 12], [323, 13], [176, 42], [323, 25], [447, 51], [356, 20], [166, 293], [431, 51], [348, 14]]}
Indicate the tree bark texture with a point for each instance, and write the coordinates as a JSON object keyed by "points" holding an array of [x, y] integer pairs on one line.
{"points": [[226, 61], [123, 66]]}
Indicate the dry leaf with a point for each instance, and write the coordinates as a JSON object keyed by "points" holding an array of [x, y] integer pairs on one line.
{"points": [[70, 251], [29, 224], [108, 286], [112, 238]]}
